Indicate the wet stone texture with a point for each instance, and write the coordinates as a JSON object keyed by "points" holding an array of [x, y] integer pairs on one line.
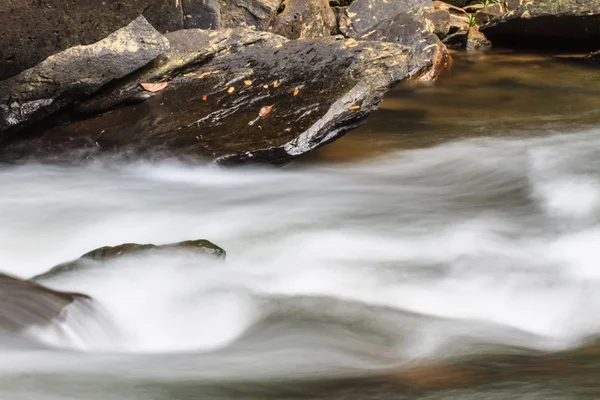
{"points": [[551, 24], [233, 97]]}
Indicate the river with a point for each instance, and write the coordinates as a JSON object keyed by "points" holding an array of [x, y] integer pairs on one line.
{"points": [[428, 255]]}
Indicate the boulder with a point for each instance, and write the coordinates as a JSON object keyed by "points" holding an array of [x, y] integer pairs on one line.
{"points": [[302, 19], [24, 304], [201, 14], [60, 79], [365, 14], [404, 23], [476, 41], [34, 30], [572, 25], [111, 252], [234, 96], [488, 13], [166, 16], [437, 19], [248, 13]]}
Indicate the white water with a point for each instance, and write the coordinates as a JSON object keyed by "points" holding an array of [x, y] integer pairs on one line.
{"points": [[330, 269]]}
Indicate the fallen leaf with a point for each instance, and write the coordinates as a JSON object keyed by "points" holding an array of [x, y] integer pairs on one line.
{"points": [[204, 98], [231, 90], [296, 91], [265, 110], [153, 87], [354, 108], [248, 82], [266, 86], [202, 75], [276, 84]]}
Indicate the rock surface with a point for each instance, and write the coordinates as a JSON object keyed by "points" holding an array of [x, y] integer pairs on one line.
{"points": [[235, 97], [33, 30], [248, 13], [304, 19], [566, 24], [476, 41], [24, 304], [166, 16], [365, 14], [111, 252], [201, 14], [81, 70]]}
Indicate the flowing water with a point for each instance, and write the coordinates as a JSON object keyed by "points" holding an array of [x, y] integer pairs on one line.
{"points": [[446, 250]]}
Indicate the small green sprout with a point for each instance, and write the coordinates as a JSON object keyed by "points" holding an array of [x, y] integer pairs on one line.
{"points": [[472, 21]]}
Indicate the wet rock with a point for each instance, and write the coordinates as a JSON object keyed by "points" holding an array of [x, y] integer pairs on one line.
{"points": [[235, 96], [365, 14], [302, 19], [111, 252], [476, 41], [248, 13], [24, 304], [487, 13], [404, 29], [202, 14], [166, 16], [458, 25], [572, 25], [437, 19], [81, 70], [33, 30]]}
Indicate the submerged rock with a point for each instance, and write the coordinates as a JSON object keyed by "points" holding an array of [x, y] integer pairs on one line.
{"points": [[111, 252], [476, 41], [34, 30], [563, 25], [62, 78], [24, 304], [303, 19], [235, 96]]}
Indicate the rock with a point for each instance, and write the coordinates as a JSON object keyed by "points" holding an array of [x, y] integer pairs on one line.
{"points": [[486, 14], [344, 24], [166, 16], [340, 3], [24, 304], [401, 22], [248, 13], [457, 3], [477, 41], [303, 19], [202, 14], [593, 58], [33, 30], [437, 19], [81, 70], [235, 96], [572, 25], [109, 253], [365, 14], [404, 29]]}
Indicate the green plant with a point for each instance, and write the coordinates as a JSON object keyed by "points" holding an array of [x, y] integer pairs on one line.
{"points": [[488, 2], [472, 21]]}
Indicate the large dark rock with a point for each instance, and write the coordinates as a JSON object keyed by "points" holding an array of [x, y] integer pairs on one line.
{"points": [[33, 30], [405, 23], [248, 13], [236, 96], [24, 304], [39, 91], [365, 14], [111, 252], [563, 25], [166, 16], [202, 14], [303, 19]]}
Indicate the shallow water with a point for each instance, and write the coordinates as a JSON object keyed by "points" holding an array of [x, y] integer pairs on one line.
{"points": [[466, 236]]}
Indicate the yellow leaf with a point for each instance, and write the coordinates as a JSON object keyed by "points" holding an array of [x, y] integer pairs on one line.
{"points": [[265, 110], [153, 87], [231, 90], [266, 86], [276, 84], [296, 91], [354, 108], [248, 82]]}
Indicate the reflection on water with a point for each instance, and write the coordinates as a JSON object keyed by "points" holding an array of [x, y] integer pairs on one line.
{"points": [[464, 270], [496, 94]]}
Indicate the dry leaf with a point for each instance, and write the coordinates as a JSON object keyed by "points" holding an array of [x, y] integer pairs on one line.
{"points": [[153, 87], [231, 90], [202, 75], [248, 82], [296, 91], [354, 108], [265, 110], [204, 98], [266, 86], [276, 84]]}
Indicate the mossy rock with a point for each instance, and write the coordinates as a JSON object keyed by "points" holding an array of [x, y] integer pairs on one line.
{"points": [[112, 252]]}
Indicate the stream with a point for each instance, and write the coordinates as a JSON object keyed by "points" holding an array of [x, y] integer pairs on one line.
{"points": [[430, 254]]}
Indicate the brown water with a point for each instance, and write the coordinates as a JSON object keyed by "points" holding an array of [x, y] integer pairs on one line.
{"points": [[487, 95]]}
